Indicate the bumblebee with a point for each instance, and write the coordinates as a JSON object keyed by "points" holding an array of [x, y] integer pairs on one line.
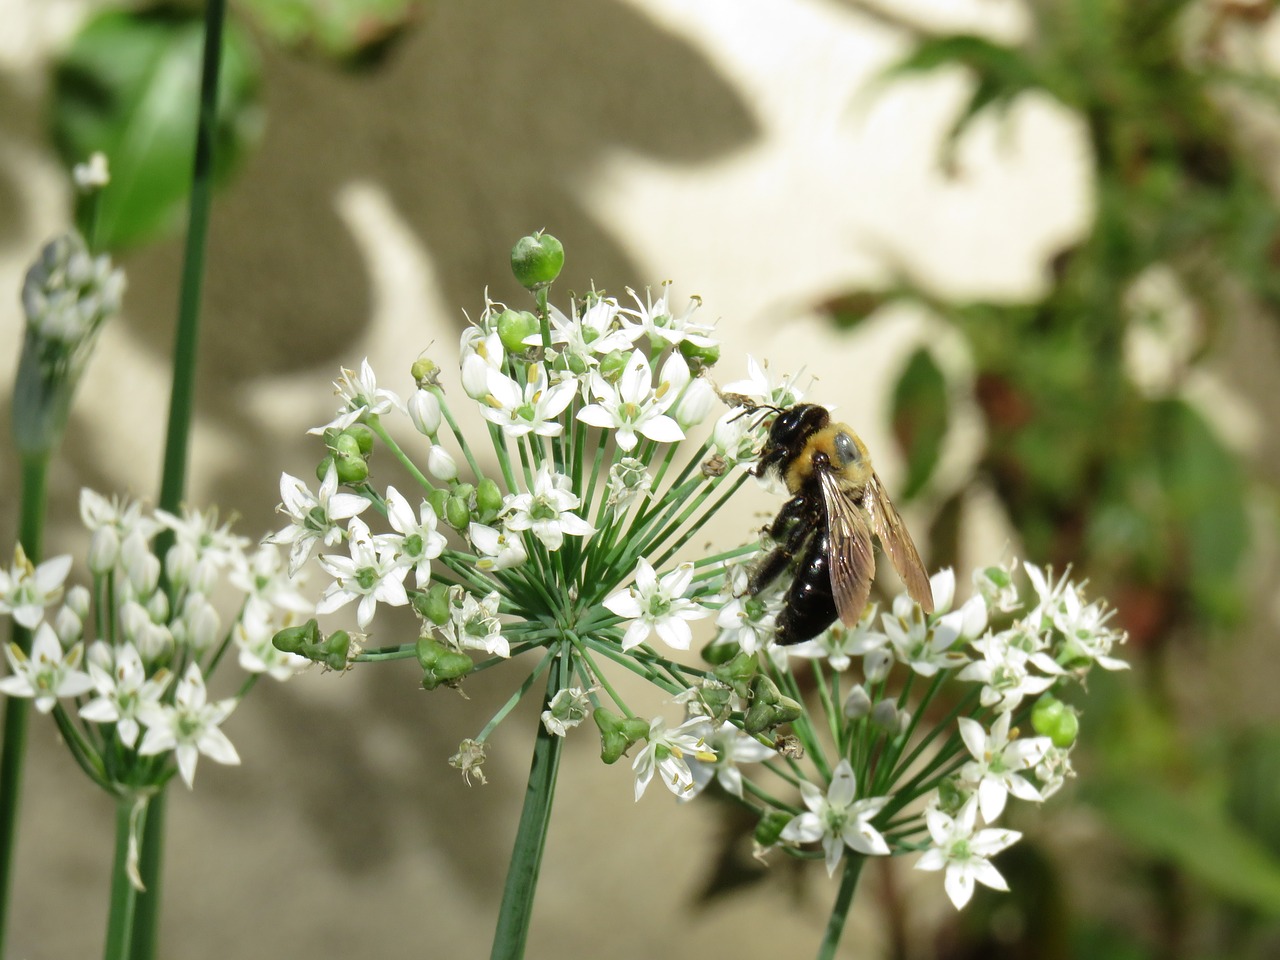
{"points": [[837, 503]]}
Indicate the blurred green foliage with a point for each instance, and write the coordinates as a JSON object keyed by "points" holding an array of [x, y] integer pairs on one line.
{"points": [[1128, 483]]}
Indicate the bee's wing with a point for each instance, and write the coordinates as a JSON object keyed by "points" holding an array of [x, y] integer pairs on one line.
{"points": [[853, 563], [897, 543]]}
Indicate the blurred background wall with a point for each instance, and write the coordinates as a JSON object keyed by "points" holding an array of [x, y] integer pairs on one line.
{"points": [[747, 150]]}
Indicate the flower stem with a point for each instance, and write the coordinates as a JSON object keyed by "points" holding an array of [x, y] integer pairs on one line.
{"points": [[181, 404], [120, 921], [531, 836], [840, 910], [17, 710]]}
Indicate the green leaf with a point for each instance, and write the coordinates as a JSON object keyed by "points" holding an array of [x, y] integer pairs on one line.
{"points": [[129, 87], [345, 30], [919, 412], [1196, 836]]}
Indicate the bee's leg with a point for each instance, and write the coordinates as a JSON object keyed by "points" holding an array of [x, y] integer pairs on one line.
{"points": [[794, 524]]}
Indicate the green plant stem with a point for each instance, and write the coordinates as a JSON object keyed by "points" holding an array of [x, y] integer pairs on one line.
{"points": [[124, 895], [181, 404], [840, 910], [531, 836], [17, 710]]}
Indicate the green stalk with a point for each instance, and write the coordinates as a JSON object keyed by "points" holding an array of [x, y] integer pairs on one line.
{"points": [[17, 710], [181, 404], [531, 836], [840, 909], [120, 921]]}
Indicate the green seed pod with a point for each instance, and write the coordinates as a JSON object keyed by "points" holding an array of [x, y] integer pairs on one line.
{"points": [[488, 499], [440, 664], [298, 639], [536, 260], [769, 829], [351, 469], [364, 437], [618, 733], [699, 358], [513, 327], [457, 513], [433, 605], [322, 468], [335, 650], [769, 708], [739, 672], [612, 365], [346, 444], [438, 498], [718, 654], [424, 372]]}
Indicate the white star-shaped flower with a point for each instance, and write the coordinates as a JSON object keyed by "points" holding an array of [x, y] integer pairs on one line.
{"points": [[47, 673], [1004, 671], [123, 688], [585, 336], [657, 605], [964, 852], [313, 517], [370, 574], [665, 752], [189, 727], [997, 764], [417, 541], [532, 408], [837, 819], [474, 624], [361, 397], [656, 319], [258, 654], [26, 589], [545, 511], [633, 406], [731, 747], [498, 549]]}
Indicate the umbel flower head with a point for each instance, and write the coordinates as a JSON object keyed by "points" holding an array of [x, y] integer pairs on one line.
{"points": [[104, 660], [563, 536]]}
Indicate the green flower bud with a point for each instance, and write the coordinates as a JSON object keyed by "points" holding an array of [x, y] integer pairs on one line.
{"points": [[769, 829], [438, 498], [440, 664], [433, 605], [699, 358], [513, 327], [364, 437], [739, 672], [769, 708], [536, 260], [456, 512], [617, 733], [424, 372], [488, 499], [612, 364], [298, 639], [1052, 718]]}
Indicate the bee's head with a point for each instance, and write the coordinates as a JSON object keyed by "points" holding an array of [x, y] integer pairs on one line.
{"points": [[796, 424]]}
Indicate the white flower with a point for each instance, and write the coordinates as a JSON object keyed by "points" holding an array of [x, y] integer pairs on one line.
{"points": [[1086, 637], [545, 511], [654, 317], [628, 480], [313, 517], [110, 523], [1004, 672], [418, 542], [498, 549], [994, 771], [481, 353], [531, 408], [262, 576], [837, 819], [568, 708], [731, 747], [840, 644], [370, 575], [1053, 770], [204, 545], [652, 604], [92, 174], [924, 645], [474, 624], [26, 589], [665, 752], [189, 727], [361, 398], [584, 336], [123, 688], [758, 387], [996, 586], [633, 406], [197, 624], [749, 623], [963, 852], [48, 673]]}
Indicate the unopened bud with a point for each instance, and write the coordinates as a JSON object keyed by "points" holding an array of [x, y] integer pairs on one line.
{"points": [[858, 704], [424, 411], [441, 465], [885, 716]]}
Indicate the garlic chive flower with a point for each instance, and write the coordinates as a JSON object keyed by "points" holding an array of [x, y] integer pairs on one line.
{"points": [[26, 589], [668, 754], [837, 819], [314, 518], [361, 398], [370, 575], [188, 726], [545, 511], [659, 606], [632, 406], [47, 674], [964, 851]]}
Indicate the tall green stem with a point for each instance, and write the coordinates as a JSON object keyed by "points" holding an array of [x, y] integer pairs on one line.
{"points": [[35, 474], [840, 909], [181, 403], [531, 836], [120, 921]]}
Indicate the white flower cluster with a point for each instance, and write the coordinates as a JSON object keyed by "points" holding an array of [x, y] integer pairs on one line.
{"points": [[68, 291], [1051, 645], [116, 649]]}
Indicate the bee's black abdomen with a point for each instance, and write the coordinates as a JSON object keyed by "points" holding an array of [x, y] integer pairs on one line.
{"points": [[810, 606]]}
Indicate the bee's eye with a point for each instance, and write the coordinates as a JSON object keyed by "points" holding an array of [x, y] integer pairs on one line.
{"points": [[846, 450]]}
